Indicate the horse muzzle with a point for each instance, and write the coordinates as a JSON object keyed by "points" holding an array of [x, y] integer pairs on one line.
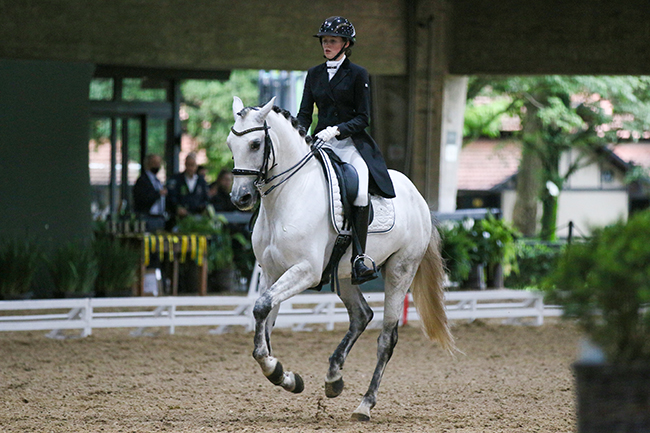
{"points": [[244, 195]]}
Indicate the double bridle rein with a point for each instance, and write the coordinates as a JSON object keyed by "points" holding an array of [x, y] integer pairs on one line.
{"points": [[262, 178]]}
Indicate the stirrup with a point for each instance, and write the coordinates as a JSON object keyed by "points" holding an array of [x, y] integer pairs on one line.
{"points": [[369, 274], [362, 257]]}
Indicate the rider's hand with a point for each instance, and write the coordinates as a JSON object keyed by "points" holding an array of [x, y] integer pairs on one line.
{"points": [[328, 133]]}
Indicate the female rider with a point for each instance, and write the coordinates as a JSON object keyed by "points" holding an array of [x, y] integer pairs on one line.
{"points": [[340, 90]]}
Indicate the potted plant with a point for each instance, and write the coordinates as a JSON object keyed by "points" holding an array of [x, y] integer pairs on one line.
{"points": [[604, 285], [456, 247], [222, 264], [18, 263], [117, 266], [73, 268], [495, 248]]}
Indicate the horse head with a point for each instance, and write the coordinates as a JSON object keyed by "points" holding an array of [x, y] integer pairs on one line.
{"points": [[249, 143]]}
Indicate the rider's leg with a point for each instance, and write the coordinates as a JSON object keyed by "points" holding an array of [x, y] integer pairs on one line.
{"points": [[360, 272], [347, 152], [360, 212]]}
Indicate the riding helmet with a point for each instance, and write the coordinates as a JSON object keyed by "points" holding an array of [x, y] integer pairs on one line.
{"points": [[337, 26]]}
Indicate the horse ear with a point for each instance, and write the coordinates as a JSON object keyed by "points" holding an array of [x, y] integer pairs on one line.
{"points": [[265, 110], [237, 106]]}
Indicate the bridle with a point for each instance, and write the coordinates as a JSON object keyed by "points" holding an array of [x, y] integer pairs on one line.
{"points": [[263, 172], [262, 179]]}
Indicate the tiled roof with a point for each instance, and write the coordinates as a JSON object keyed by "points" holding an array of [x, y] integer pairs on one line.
{"points": [[638, 153], [484, 164], [100, 161]]}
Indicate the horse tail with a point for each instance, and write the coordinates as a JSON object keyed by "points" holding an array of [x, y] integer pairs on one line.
{"points": [[429, 293]]}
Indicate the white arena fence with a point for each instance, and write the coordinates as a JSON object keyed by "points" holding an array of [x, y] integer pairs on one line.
{"points": [[223, 312]]}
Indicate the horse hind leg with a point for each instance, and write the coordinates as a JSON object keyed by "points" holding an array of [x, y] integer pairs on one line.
{"points": [[398, 278], [360, 315]]}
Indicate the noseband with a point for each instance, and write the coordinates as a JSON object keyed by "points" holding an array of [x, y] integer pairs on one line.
{"points": [[262, 175]]}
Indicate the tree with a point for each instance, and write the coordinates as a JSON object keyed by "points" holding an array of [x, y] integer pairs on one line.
{"points": [[207, 112], [559, 113]]}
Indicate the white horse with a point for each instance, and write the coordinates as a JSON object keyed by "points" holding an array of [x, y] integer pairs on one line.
{"points": [[293, 238]]}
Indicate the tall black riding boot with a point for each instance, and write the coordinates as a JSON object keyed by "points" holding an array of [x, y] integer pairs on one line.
{"points": [[360, 272]]}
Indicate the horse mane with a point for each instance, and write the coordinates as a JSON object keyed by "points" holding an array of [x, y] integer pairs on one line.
{"points": [[287, 115]]}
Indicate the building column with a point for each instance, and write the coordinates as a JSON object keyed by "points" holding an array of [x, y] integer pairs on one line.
{"points": [[437, 104]]}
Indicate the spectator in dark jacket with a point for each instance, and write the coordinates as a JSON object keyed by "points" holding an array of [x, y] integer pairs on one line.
{"points": [[149, 195], [188, 192]]}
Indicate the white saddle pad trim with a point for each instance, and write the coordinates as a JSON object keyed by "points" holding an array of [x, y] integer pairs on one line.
{"points": [[383, 208]]}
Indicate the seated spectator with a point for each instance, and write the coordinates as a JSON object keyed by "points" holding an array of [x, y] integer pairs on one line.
{"points": [[220, 192]]}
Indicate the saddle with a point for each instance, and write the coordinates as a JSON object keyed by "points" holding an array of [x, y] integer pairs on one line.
{"points": [[343, 183]]}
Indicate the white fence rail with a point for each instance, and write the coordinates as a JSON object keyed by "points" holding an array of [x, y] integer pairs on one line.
{"points": [[223, 312]]}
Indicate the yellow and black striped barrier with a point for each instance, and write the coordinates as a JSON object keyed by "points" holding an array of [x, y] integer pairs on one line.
{"points": [[193, 246]]}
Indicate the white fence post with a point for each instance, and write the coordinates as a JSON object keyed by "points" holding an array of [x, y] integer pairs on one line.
{"points": [[87, 318]]}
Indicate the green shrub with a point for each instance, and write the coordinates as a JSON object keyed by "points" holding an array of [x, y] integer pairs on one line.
{"points": [[18, 263], [495, 243], [456, 250], [223, 243], [535, 261], [604, 284], [488, 242], [117, 266], [73, 268]]}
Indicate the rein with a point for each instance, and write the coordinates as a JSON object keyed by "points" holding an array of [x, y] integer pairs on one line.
{"points": [[262, 178]]}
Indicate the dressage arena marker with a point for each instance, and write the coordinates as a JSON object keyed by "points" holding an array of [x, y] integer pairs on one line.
{"points": [[222, 312]]}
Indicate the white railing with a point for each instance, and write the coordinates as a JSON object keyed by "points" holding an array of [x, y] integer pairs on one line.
{"points": [[223, 312]]}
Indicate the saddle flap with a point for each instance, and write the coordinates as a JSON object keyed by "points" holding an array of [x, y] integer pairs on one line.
{"points": [[343, 184]]}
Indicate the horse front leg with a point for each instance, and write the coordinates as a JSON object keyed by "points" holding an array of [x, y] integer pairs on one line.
{"points": [[360, 315], [295, 280]]}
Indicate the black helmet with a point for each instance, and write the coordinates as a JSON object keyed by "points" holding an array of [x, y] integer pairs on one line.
{"points": [[337, 26]]}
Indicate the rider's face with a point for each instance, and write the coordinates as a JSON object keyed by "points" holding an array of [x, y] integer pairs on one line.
{"points": [[332, 45]]}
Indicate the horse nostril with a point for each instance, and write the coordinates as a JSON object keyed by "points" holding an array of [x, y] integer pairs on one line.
{"points": [[246, 198]]}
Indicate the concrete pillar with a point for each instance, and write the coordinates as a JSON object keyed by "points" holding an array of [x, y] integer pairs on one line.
{"points": [[437, 104], [390, 118], [451, 140]]}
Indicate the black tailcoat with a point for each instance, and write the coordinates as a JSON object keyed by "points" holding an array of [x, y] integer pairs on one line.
{"points": [[144, 195], [179, 194], [345, 102]]}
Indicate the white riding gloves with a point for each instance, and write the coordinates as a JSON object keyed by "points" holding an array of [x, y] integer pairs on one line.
{"points": [[328, 133]]}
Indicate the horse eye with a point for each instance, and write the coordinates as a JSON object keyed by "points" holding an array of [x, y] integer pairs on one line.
{"points": [[255, 144]]}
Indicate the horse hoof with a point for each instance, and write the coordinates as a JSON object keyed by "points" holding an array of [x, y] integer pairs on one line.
{"points": [[300, 385], [360, 417], [334, 389]]}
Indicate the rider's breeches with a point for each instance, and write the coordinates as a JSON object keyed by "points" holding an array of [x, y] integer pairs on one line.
{"points": [[345, 150]]}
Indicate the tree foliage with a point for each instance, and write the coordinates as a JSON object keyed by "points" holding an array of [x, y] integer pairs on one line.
{"points": [[208, 112], [559, 113]]}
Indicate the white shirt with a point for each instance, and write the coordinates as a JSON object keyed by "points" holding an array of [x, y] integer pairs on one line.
{"points": [[191, 182], [334, 65]]}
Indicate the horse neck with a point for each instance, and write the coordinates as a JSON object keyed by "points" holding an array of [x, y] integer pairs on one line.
{"points": [[290, 147]]}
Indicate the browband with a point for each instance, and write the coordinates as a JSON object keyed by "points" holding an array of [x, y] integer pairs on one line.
{"points": [[257, 128]]}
